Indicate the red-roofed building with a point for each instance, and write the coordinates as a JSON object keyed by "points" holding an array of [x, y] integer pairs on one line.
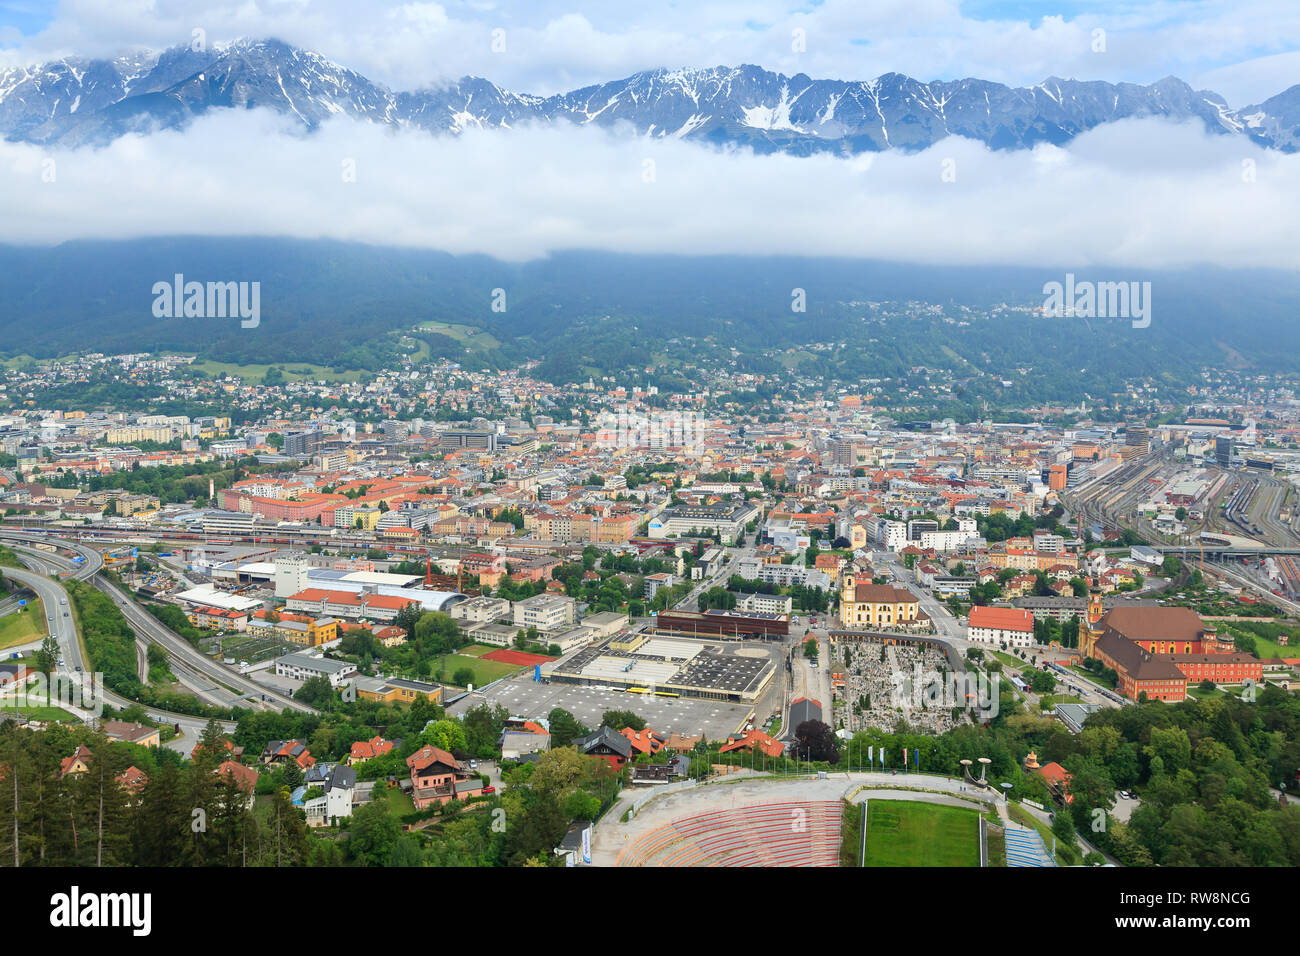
{"points": [[133, 780], [330, 604], [438, 777], [1010, 626], [644, 741], [1058, 780], [244, 777], [79, 762], [376, 746], [753, 740], [279, 751]]}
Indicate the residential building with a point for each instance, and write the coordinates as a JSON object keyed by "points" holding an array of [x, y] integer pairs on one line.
{"points": [[1004, 626]]}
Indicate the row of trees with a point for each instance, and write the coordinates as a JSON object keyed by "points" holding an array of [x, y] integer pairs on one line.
{"points": [[186, 814]]}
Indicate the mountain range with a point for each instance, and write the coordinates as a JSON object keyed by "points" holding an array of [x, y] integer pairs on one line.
{"points": [[74, 102]]}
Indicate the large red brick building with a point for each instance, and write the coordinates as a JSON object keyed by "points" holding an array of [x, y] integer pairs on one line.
{"points": [[1157, 650]]}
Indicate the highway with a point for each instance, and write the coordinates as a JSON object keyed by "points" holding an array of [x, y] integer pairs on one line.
{"points": [[201, 686], [60, 621], [223, 687]]}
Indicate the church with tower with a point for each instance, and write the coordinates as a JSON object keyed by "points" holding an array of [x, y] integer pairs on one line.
{"points": [[1156, 651]]}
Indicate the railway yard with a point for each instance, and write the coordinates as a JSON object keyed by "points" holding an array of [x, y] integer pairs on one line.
{"points": [[1240, 525]]}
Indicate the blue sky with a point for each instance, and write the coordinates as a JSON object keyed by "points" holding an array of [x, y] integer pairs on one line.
{"points": [[1245, 49], [26, 17]]}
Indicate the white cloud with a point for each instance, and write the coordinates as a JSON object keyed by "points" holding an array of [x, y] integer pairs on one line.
{"points": [[1133, 194]]}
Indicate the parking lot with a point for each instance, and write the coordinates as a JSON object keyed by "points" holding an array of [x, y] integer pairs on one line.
{"points": [[524, 698]]}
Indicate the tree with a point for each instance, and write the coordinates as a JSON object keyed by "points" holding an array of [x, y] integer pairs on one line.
{"points": [[373, 834], [564, 728], [561, 771], [483, 727], [47, 658], [407, 619], [1063, 828], [618, 719], [316, 691], [291, 775], [211, 749], [446, 735], [814, 740]]}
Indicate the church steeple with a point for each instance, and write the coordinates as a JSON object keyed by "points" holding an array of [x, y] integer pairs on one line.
{"points": [[1091, 629]]}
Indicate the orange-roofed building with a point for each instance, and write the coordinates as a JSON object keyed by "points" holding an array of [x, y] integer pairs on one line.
{"points": [[1058, 780], [133, 780], [376, 746], [644, 741], [755, 741], [245, 777], [1011, 626]]}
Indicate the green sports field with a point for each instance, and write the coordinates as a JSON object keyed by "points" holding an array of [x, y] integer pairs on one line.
{"points": [[484, 671], [902, 833]]}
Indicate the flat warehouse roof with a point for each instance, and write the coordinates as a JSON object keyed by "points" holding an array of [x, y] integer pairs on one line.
{"points": [[724, 672], [667, 649], [641, 671]]}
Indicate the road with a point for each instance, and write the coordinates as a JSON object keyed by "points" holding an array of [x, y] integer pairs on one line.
{"points": [[223, 686], [691, 601], [202, 687], [63, 628]]}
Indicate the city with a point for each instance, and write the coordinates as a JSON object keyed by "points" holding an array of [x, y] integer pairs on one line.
{"points": [[586, 439], [533, 562]]}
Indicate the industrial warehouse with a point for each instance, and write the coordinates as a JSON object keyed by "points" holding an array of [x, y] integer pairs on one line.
{"points": [[750, 625], [640, 663]]}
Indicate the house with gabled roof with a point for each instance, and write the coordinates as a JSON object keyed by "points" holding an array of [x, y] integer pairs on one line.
{"points": [[376, 746], [607, 745], [79, 762], [438, 777], [133, 780], [753, 741], [280, 751], [131, 733], [644, 741], [245, 777]]}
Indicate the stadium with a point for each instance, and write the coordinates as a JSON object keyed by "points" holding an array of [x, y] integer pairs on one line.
{"points": [[871, 820]]}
